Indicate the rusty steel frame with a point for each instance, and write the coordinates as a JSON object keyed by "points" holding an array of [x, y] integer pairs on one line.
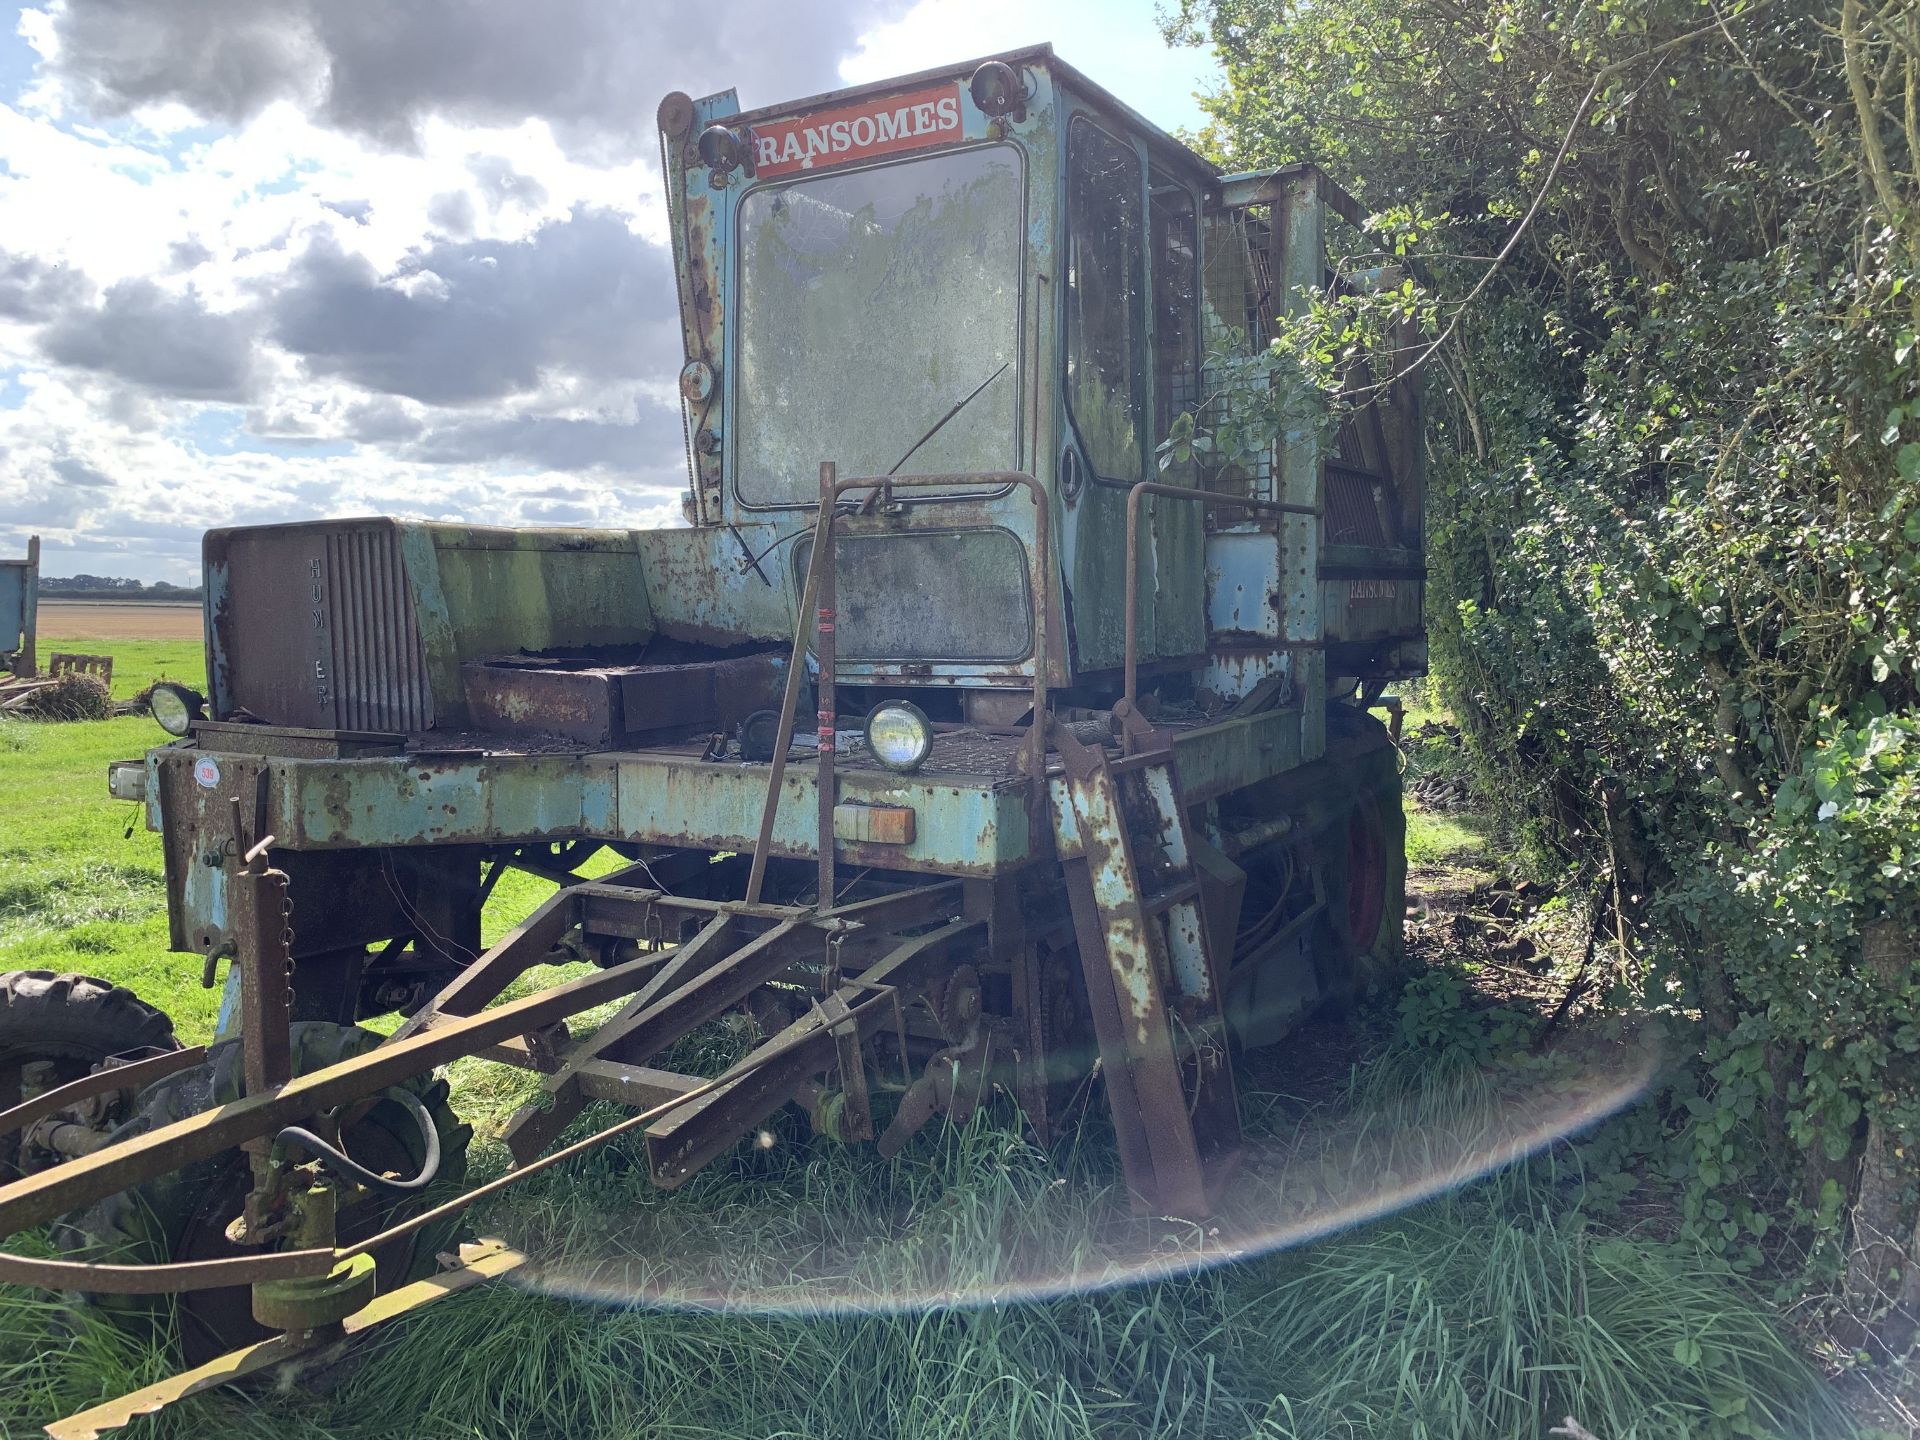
{"points": [[783, 740], [1130, 692], [480, 1262], [1161, 1131], [826, 652], [437, 1035]]}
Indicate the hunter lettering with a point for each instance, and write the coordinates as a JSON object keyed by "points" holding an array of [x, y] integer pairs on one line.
{"points": [[878, 127]]}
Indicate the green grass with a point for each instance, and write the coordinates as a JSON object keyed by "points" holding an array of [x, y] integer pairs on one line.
{"points": [[1436, 839], [77, 891], [1490, 1311]]}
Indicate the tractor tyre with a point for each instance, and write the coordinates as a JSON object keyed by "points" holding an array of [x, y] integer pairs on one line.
{"points": [[1364, 858], [183, 1215], [75, 1022]]}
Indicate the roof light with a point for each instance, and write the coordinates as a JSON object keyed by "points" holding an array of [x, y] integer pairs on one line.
{"points": [[997, 89], [722, 150]]}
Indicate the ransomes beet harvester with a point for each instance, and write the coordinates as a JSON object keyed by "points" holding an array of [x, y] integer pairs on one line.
{"points": [[953, 738]]}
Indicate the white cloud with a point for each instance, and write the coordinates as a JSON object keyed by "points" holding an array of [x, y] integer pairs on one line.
{"points": [[263, 260], [1117, 46]]}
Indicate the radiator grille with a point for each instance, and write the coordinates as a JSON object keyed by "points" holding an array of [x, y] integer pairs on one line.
{"points": [[379, 671]]}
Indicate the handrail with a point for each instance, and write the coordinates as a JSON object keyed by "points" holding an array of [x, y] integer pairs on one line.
{"points": [[1175, 492]]}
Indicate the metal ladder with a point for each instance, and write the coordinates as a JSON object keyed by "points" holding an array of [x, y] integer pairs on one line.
{"points": [[1153, 981]]}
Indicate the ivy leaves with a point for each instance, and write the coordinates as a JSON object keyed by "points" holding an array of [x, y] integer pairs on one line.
{"points": [[1673, 533]]}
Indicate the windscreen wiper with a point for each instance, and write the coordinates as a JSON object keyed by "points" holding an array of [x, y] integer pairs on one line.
{"points": [[938, 425]]}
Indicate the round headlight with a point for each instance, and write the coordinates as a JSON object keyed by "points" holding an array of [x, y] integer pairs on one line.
{"points": [[175, 707], [722, 149], [996, 88], [759, 733], [899, 735]]}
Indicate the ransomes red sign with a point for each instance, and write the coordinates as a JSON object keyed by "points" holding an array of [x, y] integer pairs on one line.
{"points": [[883, 126]]}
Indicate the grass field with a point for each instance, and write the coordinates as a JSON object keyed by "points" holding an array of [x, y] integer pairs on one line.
{"points": [[77, 890], [974, 1287]]}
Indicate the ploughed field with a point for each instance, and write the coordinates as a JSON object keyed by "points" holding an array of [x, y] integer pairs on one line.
{"points": [[66, 623], [975, 1285]]}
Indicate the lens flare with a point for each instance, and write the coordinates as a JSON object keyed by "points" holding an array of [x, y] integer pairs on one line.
{"points": [[819, 1230]]}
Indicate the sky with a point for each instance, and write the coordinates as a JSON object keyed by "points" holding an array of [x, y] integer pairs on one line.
{"points": [[268, 260]]}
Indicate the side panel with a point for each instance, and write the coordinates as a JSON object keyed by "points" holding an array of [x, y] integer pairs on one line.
{"points": [[364, 624], [1093, 529], [493, 592]]}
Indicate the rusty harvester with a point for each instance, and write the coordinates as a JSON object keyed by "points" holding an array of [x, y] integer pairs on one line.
{"points": [[954, 739]]}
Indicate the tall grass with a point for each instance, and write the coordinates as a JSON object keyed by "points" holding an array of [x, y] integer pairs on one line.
{"points": [[975, 1287]]}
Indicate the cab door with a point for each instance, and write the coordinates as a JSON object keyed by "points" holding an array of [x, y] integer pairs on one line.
{"points": [[1129, 363]]}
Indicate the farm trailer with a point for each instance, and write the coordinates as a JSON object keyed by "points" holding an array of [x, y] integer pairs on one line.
{"points": [[953, 738], [20, 613]]}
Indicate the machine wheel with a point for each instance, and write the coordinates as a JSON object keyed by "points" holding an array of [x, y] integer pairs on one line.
{"points": [[183, 1215], [1364, 851], [74, 1021]]}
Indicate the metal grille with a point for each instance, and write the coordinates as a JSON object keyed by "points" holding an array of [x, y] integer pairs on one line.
{"points": [[379, 672], [1352, 512]]}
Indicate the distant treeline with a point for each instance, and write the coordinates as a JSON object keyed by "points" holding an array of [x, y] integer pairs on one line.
{"points": [[109, 587]]}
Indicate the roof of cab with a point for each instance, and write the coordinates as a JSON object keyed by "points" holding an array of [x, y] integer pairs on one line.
{"points": [[1031, 55]]}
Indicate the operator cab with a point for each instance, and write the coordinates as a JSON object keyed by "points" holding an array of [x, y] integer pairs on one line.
{"points": [[998, 268]]}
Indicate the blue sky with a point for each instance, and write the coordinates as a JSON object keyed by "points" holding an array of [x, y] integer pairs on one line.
{"points": [[294, 258]]}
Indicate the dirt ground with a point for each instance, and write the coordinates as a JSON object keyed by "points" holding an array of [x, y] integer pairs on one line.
{"points": [[118, 620]]}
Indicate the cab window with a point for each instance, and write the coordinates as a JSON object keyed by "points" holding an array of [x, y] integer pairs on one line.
{"points": [[1176, 306], [1105, 296]]}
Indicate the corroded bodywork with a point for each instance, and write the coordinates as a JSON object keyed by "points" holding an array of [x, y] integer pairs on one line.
{"points": [[1132, 809], [984, 292], [988, 289]]}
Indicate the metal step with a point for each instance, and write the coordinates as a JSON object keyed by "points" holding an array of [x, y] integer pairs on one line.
{"points": [[1152, 981]]}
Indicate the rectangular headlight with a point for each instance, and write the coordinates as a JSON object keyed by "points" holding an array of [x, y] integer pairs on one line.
{"points": [[127, 780]]}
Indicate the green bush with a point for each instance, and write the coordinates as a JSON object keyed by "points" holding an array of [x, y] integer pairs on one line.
{"points": [[1667, 258]]}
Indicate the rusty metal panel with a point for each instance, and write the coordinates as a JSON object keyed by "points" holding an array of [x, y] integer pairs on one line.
{"points": [[962, 827], [503, 591], [510, 694], [609, 704], [314, 626], [293, 742], [191, 793], [1216, 759], [709, 694], [364, 624], [374, 653], [424, 800], [931, 595], [1373, 607], [720, 585]]}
